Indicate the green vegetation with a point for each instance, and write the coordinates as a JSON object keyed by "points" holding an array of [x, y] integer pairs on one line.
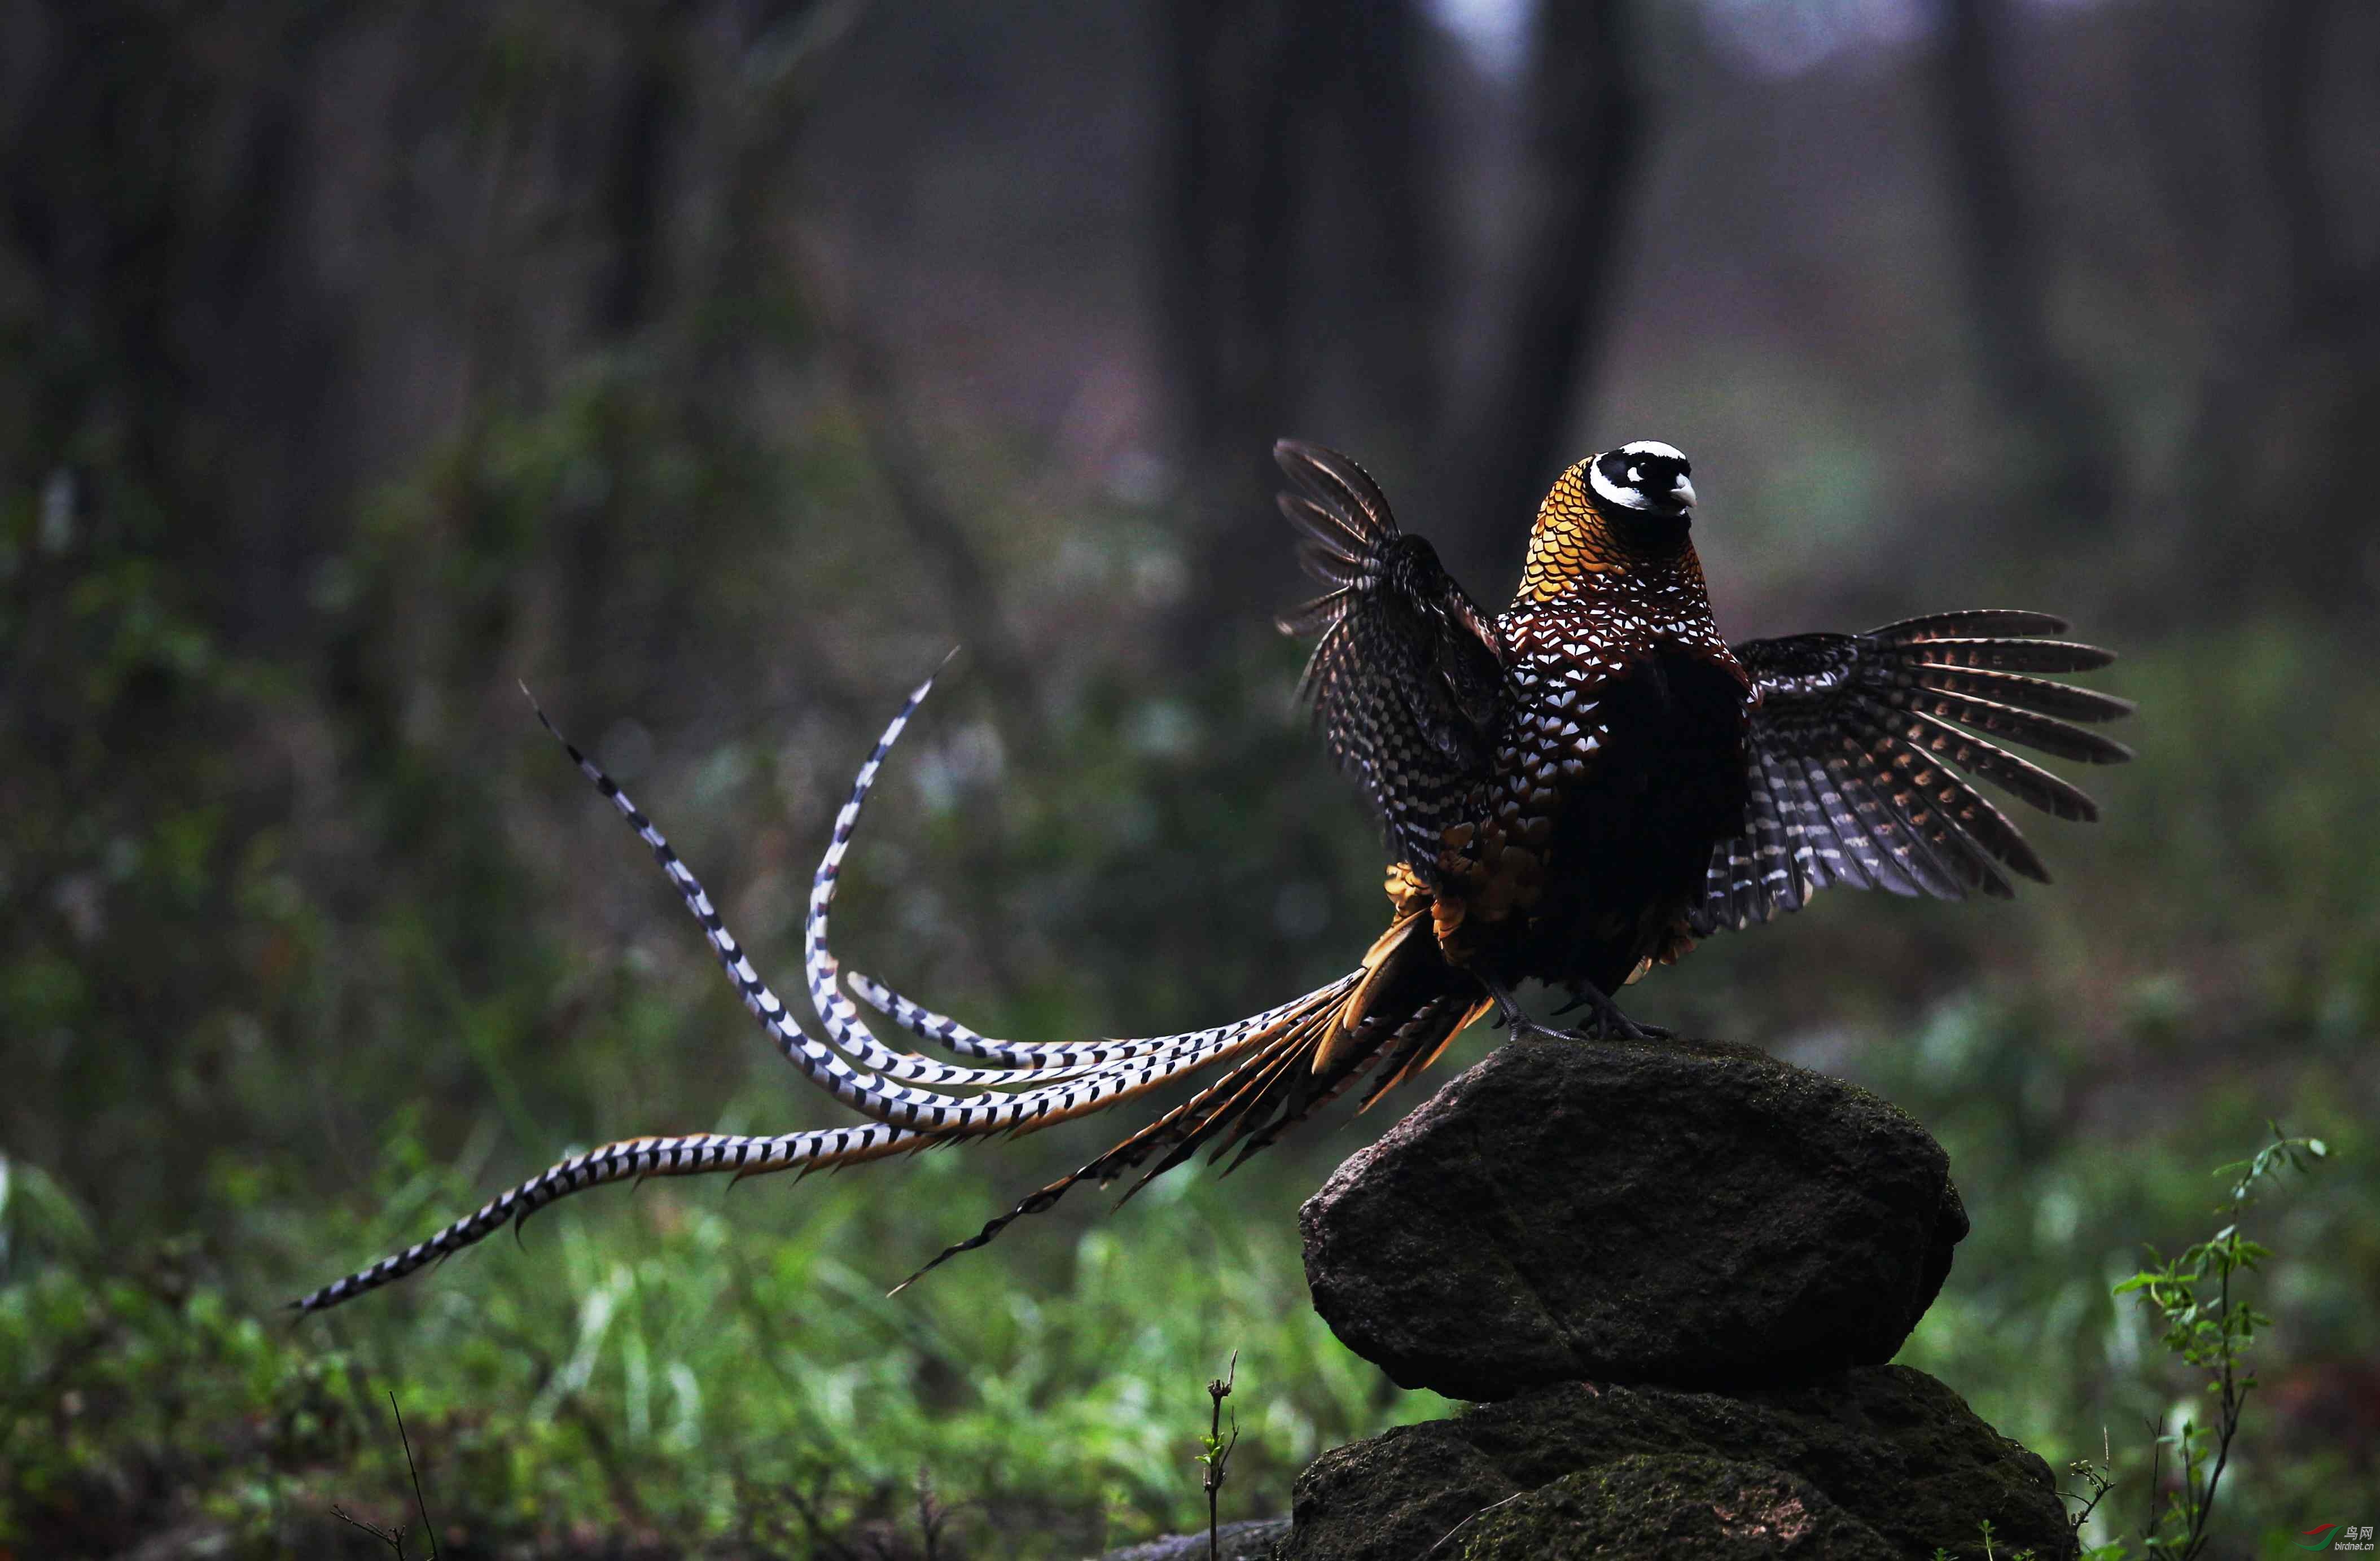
{"points": [[357, 363], [2209, 1327], [661, 1371], [308, 943], [690, 1362]]}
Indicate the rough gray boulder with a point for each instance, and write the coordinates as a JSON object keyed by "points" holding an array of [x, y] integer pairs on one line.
{"points": [[1874, 1462], [1688, 1213]]}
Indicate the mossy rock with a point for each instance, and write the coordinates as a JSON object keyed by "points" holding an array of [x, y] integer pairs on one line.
{"points": [[1671, 1507], [1896, 1453], [1250, 1541]]}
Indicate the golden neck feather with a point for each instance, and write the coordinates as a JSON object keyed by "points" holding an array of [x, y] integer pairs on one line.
{"points": [[1574, 542]]}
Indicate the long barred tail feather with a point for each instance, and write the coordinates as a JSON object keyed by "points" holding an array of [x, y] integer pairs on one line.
{"points": [[1267, 1120], [704, 1154], [1297, 1083], [1249, 1086], [879, 1086], [883, 1085], [1418, 1042], [1273, 1080], [952, 1035], [691, 1155], [843, 1021], [848, 1031], [1123, 1156], [1274, 1088]]}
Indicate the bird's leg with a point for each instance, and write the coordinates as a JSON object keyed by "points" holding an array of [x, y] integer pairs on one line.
{"points": [[1609, 1020], [1524, 1028], [1608, 1024]]}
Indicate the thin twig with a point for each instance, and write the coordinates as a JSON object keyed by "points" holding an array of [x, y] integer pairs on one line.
{"points": [[395, 1537], [420, 1504], [2156, 1480], [824, 1544], [1475, 1518], [392, 1537]]}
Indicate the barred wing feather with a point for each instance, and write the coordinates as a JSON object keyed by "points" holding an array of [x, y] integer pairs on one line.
{"points": [[1856, 749], [1408, 677]]}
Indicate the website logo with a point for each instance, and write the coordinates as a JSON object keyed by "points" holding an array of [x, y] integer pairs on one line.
{"points": [[2337, 1536]]}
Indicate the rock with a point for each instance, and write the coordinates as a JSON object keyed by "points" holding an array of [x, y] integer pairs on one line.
{"points": [[1876, 1456], [1235, 1542], [1671, 1508], [1673, 1274], [1686, 1213]]}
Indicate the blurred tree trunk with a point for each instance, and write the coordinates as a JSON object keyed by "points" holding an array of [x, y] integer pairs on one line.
{"points": [[1577, 183], [903, 460], [634, 142], [314, 317], [183, 360], [634, 182], [1295, 247], [1225, 270], [2065, 470], [2272, 479], [1372, 249], [2317, 279]]}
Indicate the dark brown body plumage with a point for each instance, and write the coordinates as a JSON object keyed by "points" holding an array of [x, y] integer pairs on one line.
{"points": [[1635, 782], [1629, 843]]}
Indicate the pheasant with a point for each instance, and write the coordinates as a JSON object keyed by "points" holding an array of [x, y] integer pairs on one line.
{"points": [[1573, 792]]}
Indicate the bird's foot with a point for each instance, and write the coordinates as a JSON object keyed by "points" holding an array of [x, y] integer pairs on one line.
{"points": [[1605, 1023]]}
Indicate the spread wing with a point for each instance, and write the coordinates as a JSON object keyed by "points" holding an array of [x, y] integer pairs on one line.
{"points": [[1856, 746], [1409, 679]]}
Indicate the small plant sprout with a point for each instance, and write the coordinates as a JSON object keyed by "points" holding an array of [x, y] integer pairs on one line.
{"points": [[1215, 1450], [933, 1517], [2210, 1331], [2096, 1480]]}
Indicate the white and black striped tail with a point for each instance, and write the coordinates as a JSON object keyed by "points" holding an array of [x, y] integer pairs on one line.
{"points": [[708, 1153], [1093, 1078], [692, 1154]]}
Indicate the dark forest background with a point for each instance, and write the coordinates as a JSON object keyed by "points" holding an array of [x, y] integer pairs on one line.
{"points": [[714, 366]]}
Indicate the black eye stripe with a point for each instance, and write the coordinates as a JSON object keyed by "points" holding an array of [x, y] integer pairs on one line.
{"points": [[1643, 471]]}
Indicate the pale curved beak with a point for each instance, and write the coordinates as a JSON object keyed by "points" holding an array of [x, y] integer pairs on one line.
{"points": [[1683, 495]]}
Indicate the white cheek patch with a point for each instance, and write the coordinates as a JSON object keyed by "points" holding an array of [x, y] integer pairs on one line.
{"points": [[1612, 494]]}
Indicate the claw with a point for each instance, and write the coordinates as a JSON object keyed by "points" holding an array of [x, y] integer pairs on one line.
{"points": [[1607, 1024]]}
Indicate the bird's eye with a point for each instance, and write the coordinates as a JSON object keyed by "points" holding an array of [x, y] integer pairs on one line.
{"points": [[1634, 477]]}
